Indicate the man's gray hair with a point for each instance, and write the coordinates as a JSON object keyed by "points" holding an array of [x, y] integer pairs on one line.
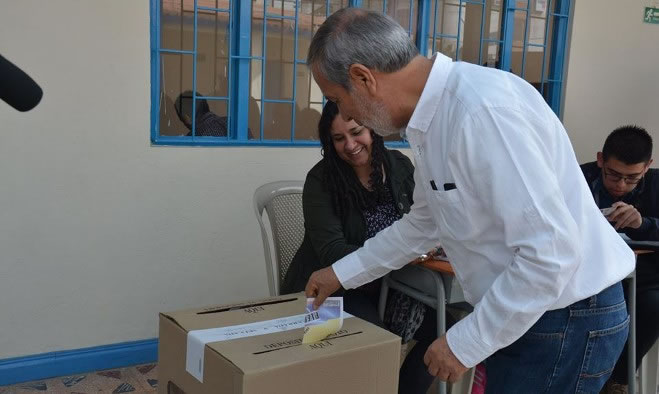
{"points": [[355, 36]]}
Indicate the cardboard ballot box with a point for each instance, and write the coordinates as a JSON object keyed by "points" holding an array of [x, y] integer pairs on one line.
{"points": [[256, 348]]}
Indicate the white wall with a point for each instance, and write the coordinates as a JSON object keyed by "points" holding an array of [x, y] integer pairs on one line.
{"points": [[613, 74], [99, 230]]}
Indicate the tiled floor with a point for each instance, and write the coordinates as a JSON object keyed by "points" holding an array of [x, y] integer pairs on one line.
{"points": [[137, 379]]}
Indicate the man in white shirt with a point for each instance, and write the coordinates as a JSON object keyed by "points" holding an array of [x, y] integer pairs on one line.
{"points": [[498, 185]]}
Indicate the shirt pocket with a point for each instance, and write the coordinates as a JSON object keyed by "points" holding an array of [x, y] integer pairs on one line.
{"points": [[455, 222]]}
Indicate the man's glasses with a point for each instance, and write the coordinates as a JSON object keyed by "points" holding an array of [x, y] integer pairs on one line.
{"points": [[628, 179]]}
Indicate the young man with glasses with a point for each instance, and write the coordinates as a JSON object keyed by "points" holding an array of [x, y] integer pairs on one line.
{"points": [[622, 179]]}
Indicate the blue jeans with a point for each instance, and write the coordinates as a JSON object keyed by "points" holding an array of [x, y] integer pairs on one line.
{"points": [[569, 350]]}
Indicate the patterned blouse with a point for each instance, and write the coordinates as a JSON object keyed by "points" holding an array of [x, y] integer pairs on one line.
{"points": [[403, 314]]}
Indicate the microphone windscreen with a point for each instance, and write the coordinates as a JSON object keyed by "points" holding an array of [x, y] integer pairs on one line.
{"points": [[17, 88]]}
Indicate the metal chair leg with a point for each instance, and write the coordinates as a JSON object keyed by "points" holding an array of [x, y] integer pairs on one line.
{"points": [[631, 340], [384, 293], [438, 302]]}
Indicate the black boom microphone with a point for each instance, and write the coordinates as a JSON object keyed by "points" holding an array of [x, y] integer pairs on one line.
{"points": [[17, 88]]}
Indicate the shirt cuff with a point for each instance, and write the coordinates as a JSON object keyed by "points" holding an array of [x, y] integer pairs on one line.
{"points": [[641, 233], [646, 224], [465, 343], [347, 270]]}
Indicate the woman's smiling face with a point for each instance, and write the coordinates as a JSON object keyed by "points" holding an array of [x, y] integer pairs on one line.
{"points": [[352, 142]]}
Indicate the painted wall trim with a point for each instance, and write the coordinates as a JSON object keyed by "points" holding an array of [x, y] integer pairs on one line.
{"points": [[70, 362], [566, 60]]}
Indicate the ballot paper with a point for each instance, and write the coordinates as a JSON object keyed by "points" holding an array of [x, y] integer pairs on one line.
{"points": [[324, 321], [607, 211]]}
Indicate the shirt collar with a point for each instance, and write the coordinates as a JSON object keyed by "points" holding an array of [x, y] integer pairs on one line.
{"points": [[432, 92]]}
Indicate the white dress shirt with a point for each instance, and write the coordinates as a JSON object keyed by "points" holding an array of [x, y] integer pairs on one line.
{"points": [[521, 229]]}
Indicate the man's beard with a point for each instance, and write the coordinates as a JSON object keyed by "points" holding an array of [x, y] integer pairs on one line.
{"points": [[375, 117]]}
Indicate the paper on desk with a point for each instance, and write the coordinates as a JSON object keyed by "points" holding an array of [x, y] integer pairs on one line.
{"points": [[324, 321]]}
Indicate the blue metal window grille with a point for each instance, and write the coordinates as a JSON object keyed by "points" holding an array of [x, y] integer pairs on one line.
{"points": [[405, 12], [527, 37], [289, 112], [244, 61]]}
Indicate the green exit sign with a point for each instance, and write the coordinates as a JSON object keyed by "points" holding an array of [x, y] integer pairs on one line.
{"points": [[651, 15]]}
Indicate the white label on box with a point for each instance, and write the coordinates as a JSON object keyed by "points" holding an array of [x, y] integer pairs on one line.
{"points": [[197, 339]]}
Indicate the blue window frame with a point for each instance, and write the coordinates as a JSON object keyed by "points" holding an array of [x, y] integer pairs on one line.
{"points": [[239, 65]]}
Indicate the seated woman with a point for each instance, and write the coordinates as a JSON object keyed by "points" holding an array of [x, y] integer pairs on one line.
{"points": [[356, 190]]}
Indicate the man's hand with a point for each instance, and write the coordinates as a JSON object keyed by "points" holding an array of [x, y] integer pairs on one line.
{"points": [[321, 285], [625, 215], [441, 361]]}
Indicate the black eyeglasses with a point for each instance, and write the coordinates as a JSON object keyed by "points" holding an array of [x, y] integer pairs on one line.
{"points": [[628, 179]]}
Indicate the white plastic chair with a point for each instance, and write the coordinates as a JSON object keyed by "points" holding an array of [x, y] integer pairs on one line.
{"points": [[282, 201]]}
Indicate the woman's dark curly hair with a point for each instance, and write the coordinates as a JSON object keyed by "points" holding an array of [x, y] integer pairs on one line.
{"points": [[340, 179]]}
